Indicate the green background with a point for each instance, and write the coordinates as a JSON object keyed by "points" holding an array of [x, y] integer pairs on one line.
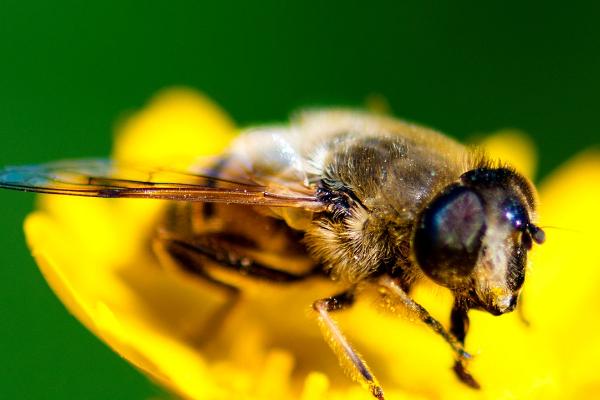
{"points": [[70, 69]]}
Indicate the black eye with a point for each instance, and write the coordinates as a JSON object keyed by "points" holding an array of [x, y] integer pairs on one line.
{"points": [[449, 234], [514, 212], [516, 215]]}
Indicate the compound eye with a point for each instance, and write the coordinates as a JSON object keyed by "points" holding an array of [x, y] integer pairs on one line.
{"points": [[449, 235], [514, 212], [517, 216]]}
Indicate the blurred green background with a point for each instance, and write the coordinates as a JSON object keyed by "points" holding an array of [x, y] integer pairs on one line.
{"points": [[70, 69]]}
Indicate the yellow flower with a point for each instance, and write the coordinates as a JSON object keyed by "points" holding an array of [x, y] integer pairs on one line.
{"points": [[93, 252]]}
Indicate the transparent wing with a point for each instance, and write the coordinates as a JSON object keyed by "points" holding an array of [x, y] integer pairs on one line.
{"points": [[109, 179]]}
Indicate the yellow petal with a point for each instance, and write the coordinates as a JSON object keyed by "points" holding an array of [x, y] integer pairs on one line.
{"points": [[562, 297], [568, 262], [178, 126], [514, 147], [103, 297], [94, 252]]}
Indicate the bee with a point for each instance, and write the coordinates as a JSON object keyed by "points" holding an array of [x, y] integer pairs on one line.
{"points": [[342, 195]]}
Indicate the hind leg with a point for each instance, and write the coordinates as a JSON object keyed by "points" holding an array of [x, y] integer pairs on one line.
{"points": [[348, 357], [191, 257], [193, 264]]}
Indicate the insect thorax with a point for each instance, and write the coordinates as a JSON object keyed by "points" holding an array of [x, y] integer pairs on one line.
{"points": [[375, 186]]}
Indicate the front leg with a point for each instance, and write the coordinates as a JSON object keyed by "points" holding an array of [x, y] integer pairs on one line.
{"points": [[393, 288], [459, 326], [348, 357]]}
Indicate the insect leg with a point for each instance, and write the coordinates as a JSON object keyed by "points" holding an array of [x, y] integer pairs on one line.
{"points": [[347, 356], [191, 258], [521, 311], [459, 326], [189, 261], [205, 247], [393, 288]]}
